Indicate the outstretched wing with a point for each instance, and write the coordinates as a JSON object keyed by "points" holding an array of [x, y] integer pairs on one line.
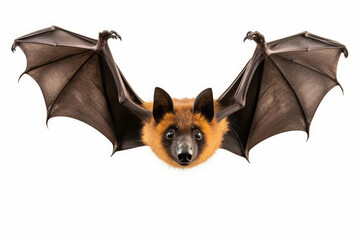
{"points": [[279, 89], [79, 79]]}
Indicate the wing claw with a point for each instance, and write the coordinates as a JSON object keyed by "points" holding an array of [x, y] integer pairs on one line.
{"points": [[13, 47], [255, 36], [105, 35]]}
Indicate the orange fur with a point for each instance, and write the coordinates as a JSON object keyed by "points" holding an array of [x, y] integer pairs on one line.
{"points": [[183, 117]]}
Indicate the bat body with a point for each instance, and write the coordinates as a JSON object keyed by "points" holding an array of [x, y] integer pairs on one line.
{"points": [[278, 90], [184, 131]]}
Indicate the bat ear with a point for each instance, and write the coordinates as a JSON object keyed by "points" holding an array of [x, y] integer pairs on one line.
{"points": [[204, 104], [162, 104]]}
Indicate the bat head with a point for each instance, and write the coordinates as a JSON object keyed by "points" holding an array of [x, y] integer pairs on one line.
{"points": [[183, 132]]}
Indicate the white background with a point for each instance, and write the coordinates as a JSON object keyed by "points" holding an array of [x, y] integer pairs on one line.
{"points": [[60, 181]]}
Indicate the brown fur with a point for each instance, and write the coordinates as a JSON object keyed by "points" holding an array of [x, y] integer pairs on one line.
{"points": [[183, 117]]}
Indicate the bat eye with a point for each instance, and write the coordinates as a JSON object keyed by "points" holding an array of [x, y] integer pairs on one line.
{"points": [[170, 134], [198, 135]]}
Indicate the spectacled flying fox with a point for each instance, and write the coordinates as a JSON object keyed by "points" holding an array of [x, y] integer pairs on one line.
{"points": [[278, 90]]}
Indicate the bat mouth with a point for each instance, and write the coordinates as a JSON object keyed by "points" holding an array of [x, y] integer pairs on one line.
{"points": [[184, 164]]}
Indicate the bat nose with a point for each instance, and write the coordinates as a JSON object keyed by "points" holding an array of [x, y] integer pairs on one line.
{"points": [[184, 157], [184, 154]]}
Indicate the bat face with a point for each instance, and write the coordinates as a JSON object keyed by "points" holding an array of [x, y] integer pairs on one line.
{"points": [[183, 132], [183, 145]]}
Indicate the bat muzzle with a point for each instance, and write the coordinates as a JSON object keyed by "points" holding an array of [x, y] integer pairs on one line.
{"points": [[185, 153]]}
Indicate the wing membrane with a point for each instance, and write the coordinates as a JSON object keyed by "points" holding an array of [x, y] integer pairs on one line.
{"points": [[79, 79], [291, 77]]}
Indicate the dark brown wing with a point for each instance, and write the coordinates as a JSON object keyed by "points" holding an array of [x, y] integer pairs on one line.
{"points": [[279, 89], [79, 79]]}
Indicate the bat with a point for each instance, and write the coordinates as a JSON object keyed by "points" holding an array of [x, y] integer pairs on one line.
{"points": [[278, 90]]}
